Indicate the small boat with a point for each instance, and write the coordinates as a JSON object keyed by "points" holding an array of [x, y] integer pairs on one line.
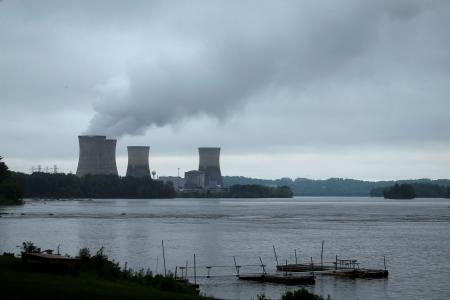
{"points": [[287, 279]]}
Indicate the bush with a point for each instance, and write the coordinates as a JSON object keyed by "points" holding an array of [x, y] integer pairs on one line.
{"points": [[301, 294]]}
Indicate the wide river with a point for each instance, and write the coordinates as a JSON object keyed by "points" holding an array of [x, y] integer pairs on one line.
{"points": [[413, 235]]}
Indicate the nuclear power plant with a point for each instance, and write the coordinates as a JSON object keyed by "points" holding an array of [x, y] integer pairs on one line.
{"points": [[210, 164], [138, 161], [97, 155]]}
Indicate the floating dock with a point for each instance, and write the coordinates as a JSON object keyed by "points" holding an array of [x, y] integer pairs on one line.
{"points": [[349, 268], [280, 278]]}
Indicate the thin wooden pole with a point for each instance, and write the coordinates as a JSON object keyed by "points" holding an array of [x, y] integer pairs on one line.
{"points": [[185, 274], [336, 266], [164, 258], [321, 256], [236, 266], [262, 265], [195, 271], [285, 269], [275, 252], [312, 264], [295, 252], [157, 263], [384, 260], [176, 268]]}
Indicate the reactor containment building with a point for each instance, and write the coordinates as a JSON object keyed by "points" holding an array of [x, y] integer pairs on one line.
{"points": [[210, 164], [97, 155], [138, 161]]}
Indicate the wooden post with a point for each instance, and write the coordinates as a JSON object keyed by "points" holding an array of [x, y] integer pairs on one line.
{"points": [[321, 256], [157, 263], [275, 252], [185, 274], [195, 271], [286, 268], [262, 265], [164, 258], [236, 266], [312, 264], [176, 267], [384, 260], [336, 263], [295, 252]]}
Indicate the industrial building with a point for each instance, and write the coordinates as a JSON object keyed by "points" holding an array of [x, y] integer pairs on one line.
{"points": [[209, 163], [138, 161], [195, 179], [177, 181], [97, 155]]}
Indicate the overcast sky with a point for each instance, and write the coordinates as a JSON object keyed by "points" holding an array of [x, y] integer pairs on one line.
{"points": [[317, 89]]}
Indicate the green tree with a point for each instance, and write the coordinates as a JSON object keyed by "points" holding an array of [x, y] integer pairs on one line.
{"points": [[10, 191], [4, 171], [400, 191]]}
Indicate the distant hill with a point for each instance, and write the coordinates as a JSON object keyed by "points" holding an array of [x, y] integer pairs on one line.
{"points": [[331, 186]]}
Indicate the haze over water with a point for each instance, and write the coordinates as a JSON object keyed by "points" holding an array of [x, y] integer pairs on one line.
{"points": [[414, 236]]}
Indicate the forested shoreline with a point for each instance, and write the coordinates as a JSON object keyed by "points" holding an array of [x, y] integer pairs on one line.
{"points": [[45, 185]]}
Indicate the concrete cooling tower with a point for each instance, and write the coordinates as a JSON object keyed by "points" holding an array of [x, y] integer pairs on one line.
{"points": [[138, 161], [209, 163], [97, 156]]}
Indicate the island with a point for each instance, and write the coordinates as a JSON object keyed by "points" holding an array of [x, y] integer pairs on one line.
{"points": [[400, 191]]}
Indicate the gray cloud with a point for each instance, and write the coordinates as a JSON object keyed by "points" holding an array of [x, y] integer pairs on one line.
{"points": [[227, 55], [252, 76]]}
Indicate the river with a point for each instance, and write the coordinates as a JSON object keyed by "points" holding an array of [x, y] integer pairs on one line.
{"points": [[413, 235]]}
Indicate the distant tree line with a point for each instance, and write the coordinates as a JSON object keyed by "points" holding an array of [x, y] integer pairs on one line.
{"points": [[412, 190], [331, 186], [10, 191], [241, 191], [45, 185]]}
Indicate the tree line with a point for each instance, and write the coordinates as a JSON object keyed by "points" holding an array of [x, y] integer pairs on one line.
{"points": [[10, 191], [412, 190], [45, 185]]}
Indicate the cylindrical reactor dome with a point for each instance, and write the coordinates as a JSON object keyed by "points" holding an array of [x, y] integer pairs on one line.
{"points": [[138, 161], [209, 162]]}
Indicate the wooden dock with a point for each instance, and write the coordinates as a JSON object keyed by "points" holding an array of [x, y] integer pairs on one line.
{"points": [[288, 279], [349, 268], [359, 273]]}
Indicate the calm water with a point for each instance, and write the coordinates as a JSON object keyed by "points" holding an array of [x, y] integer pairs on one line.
{"points": [[413, 235]]}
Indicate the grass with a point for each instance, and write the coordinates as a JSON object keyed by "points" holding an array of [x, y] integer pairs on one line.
{"points": [[16, 282]]}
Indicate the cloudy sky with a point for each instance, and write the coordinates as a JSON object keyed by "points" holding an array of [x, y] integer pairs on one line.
{"points": [[317, 89]]}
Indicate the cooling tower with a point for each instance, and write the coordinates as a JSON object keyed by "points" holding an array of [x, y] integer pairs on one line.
{"points": [[209, 163], [97, 155], [138, 161]]}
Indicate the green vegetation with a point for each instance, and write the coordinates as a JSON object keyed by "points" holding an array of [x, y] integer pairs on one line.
{"points": [[98, 278], [301, 294], [334, 186], [241, 191], [400, 191], [44, 185], [258, 191], [421, 190], [11, 192]]}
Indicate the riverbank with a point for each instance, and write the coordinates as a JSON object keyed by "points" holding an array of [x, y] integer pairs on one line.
{"points": [[19, 282]]}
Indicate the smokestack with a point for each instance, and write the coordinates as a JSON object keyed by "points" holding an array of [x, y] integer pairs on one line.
{"points": [[97, 156], [209, 163], [138, 161]]}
